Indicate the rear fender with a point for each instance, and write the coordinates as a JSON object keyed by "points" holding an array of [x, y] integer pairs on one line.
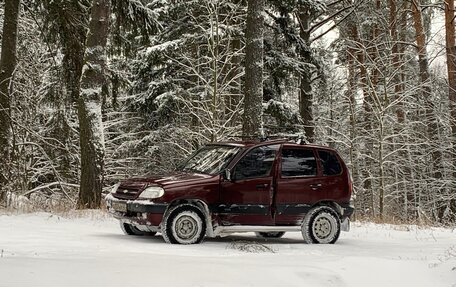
{"points": [[333, 205]]}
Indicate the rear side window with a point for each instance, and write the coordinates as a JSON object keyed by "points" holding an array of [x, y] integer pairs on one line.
{"points": [[329, 162], [298, 162]]}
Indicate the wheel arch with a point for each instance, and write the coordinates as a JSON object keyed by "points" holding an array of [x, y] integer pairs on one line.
{"points": [[331, 204], [202, 206]]}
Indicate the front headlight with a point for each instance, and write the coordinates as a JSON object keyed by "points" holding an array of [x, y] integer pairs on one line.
{"points": [[115, 187], [152, 192]]}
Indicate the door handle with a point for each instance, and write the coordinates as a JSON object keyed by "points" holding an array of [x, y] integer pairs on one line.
{"points": [[262, 186], [315, 186]]}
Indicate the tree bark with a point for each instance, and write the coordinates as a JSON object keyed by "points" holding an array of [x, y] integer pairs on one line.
{"points": [[90, 107], [400, 115], [253, 101], [306, 95], [423, 63], [357, 51], [368, 53], [397, 35], [236, 87], [352, 87], [7, 67], [451, 67]]}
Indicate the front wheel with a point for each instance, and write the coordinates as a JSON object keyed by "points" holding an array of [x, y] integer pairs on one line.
{"points": [[321, 225], [185, 224], [277, 234]]}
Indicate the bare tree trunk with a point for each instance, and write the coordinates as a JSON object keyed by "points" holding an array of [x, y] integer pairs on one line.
{"points": [[7, 67], [357, 57], [215, 73], [400, 115], [373, 50], [451, 66], [426, 88], [352, 87], [235, 68], [369, 83], [397, 36], [236, 87], [306, 95], [90, 105], [253, 110], [409, 186]]}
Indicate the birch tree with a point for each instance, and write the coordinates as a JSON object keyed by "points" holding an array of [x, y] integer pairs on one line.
{"points": [[90, 105]]}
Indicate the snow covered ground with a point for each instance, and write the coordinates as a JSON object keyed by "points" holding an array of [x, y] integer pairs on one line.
{"points": [[41, 249]]}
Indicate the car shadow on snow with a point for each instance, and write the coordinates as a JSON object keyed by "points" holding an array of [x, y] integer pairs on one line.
{"points": [[251, 238]]}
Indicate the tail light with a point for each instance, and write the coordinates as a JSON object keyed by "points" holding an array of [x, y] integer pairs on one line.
{"points": [[350, 184]]}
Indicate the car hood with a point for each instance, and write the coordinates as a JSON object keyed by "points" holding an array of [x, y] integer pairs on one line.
{"points": [[165, 180]]}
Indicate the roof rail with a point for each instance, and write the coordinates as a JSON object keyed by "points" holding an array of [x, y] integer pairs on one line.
{"points": [[246, 137], [299, 139]]}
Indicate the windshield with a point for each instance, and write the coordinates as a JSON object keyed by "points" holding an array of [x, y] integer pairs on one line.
{"points": [[210, 159]]}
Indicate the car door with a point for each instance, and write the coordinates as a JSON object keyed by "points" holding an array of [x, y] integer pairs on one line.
{"points": [[299, 184], [247, 197]]}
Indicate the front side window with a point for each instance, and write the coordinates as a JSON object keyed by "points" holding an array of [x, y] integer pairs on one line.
{"points": [[298, 162], [329, 162], [210, 159], [256, 163]]}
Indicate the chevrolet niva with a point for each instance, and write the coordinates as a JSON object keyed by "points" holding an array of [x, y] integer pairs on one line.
{"points": [[269, 188]]}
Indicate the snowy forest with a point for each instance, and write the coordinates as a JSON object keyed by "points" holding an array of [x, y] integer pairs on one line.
{"points": [[94, 91]]}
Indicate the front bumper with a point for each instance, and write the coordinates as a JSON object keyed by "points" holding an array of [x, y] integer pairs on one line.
{"points": [[140, 212]]}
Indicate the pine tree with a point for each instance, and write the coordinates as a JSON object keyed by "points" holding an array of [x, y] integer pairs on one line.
{"points": [[451, 68], [252, 124]]}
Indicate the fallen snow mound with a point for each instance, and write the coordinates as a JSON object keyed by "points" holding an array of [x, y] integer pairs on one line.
{"points": [[89, 249]]}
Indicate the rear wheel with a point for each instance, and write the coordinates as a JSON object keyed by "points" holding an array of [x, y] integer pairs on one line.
{"points": [[277, 234], [130, 229], [321, 225], [185, 224]]}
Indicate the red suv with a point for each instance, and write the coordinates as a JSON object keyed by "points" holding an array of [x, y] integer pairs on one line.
{"points": [[269, 188]]}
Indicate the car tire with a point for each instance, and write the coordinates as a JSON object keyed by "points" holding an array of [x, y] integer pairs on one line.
{"points": [[321, 225], [184, 224], [276, 234], [130, 229]]}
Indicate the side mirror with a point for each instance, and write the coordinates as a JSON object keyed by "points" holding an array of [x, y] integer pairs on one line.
{"points": [[226, 174]]}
